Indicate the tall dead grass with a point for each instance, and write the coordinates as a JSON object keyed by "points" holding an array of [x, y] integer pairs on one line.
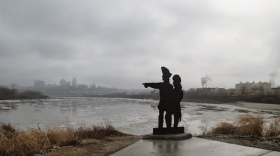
{"points": [[249, 125], [15, 142], [97, 131], [273, 128], [23, 143], [61, 136]]}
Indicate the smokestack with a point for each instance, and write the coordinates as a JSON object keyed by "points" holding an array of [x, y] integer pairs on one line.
{"points": [[204, 80]]}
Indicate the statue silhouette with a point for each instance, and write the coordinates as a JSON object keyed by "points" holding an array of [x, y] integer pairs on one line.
{"points": [[177, 97], [165, 89]]}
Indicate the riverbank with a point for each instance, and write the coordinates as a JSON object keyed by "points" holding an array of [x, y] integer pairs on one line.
{"points": [[251, 130], [93, 147], [234, 99], [13, 94], [139, 119], [248, 130], [272, 143], [52, 139], [252, 105]]}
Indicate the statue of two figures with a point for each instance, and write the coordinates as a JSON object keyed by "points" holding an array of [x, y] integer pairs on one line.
{"points": [[169, 102]]}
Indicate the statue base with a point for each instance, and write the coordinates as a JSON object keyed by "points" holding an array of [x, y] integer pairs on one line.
{"points": [[159, 131], [181, 136]]}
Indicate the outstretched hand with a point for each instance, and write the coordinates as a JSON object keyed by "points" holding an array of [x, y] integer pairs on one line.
{"points": [[145, 85]]}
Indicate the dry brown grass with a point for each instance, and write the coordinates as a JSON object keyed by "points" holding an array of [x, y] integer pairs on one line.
{"points": [[23, 143], [61, 136], [273, 128], [224, 128], [249, 125], [97, 132], [15, 142]]}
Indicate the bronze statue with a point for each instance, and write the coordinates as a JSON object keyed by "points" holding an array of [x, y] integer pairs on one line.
{"points": [[165, 89]]}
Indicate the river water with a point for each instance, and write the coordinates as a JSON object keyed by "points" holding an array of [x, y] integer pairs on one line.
{"points": [[131, 116]]}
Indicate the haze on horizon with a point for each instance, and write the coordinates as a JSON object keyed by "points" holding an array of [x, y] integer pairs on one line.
{"points": [[124, 43]]}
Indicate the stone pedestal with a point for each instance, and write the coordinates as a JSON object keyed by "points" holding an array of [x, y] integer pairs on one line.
{"points": [[181, 136], [160, 131]]}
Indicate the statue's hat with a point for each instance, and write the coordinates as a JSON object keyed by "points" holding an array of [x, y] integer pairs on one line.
{"points": [[165, 72]]}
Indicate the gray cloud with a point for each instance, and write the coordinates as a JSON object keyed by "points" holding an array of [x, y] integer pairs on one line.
{"points": [[124, 43]]}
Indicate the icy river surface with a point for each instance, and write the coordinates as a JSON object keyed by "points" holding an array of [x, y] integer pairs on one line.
{"points": [[131, 116]]}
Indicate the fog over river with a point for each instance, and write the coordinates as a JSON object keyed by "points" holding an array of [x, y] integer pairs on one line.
{"points": [[131, 116]]}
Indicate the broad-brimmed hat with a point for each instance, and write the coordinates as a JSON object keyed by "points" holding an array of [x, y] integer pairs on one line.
{"points": [[165, 72]]}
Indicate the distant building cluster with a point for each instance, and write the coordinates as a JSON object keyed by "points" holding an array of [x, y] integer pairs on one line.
{"points": [[248, 88], [253, 86], [71, 88], [39, 84]]}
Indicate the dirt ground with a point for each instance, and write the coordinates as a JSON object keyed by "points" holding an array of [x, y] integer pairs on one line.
{"points": [[93, 147], [272, 143]]}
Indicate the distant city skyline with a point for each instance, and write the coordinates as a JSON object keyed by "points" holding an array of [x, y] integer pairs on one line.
{"points": [[63, 82]]}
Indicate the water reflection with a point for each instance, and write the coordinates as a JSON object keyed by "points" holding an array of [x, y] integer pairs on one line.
{"points": [[167, 147]]}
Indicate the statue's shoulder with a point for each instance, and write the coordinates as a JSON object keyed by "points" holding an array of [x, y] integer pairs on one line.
{"points": [[169, 86]]}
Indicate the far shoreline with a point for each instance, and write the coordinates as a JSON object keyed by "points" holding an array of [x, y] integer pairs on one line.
{"points": [[243, 104], [252, 105]]}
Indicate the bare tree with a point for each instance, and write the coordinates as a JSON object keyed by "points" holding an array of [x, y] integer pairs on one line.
{"points": [[243, 90], [191, 92], [231, 92], [221, 93], [262, 90], [276, 93]]}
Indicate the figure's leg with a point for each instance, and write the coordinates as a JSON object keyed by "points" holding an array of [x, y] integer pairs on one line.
{"points": [[160, 119], [168, 119], [176, 120]]}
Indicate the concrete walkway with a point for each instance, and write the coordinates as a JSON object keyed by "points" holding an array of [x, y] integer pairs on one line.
{"points": [[191, 147]]}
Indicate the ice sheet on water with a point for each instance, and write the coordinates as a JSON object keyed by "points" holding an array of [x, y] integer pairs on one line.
{"points": [[133, 116]]}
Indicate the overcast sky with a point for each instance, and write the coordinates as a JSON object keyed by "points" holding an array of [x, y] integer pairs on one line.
{"points": [[124, 43]]}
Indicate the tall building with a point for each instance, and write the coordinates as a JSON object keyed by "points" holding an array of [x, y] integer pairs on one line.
{"points": [[93, 85], [39, 84], [67, 83], [74, 82], [14, 86], [62, 82], [83, 86]]}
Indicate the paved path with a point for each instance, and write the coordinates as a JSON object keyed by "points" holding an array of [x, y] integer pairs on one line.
{"points": [[191, 147]]}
